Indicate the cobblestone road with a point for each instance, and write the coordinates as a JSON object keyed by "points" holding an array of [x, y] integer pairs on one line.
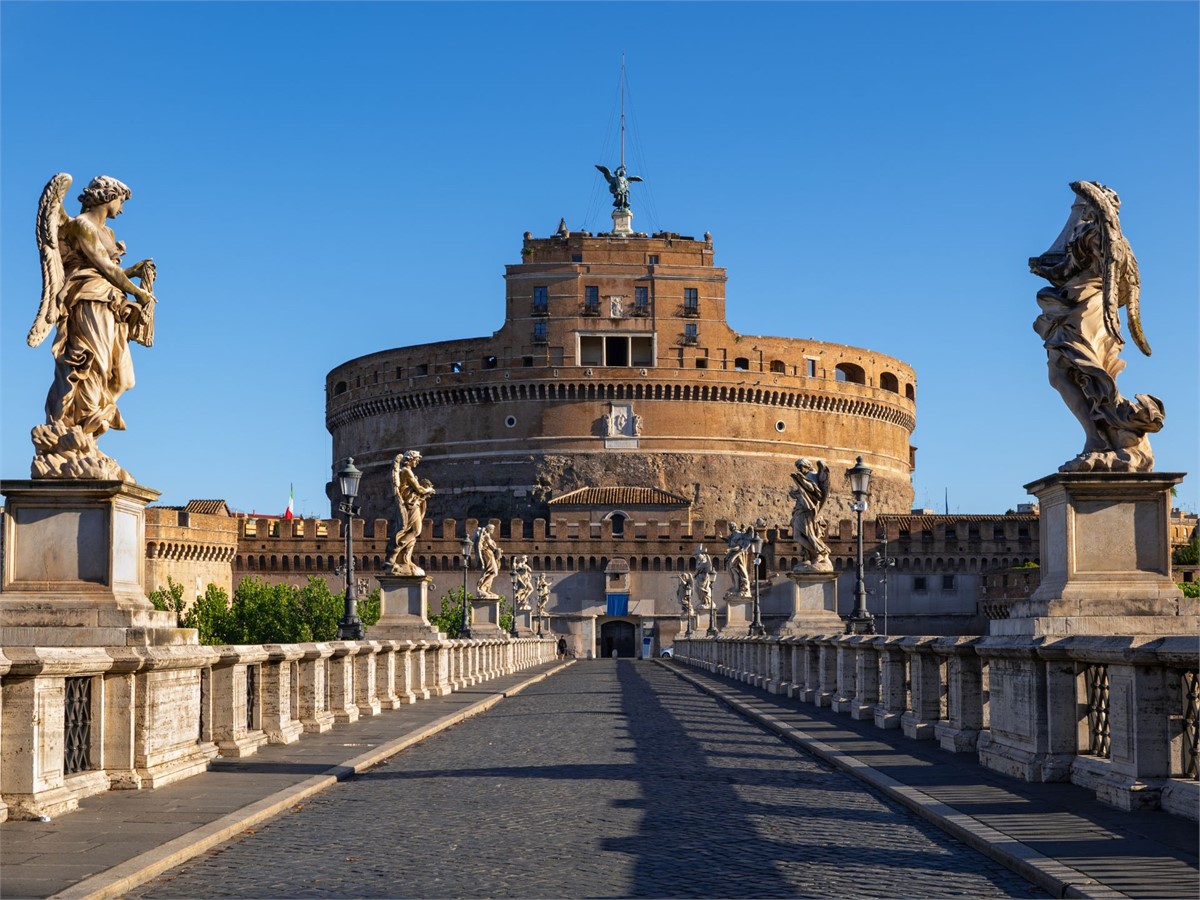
{"points": [[611, 779]]}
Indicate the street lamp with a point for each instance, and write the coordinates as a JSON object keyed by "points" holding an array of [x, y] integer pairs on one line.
{"points": [[860, 621], [350, 628], [756, 627], [884, 562], [465, 631]]}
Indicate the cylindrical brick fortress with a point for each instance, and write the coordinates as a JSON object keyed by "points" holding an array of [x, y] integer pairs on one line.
{"points": [[615, 367]]}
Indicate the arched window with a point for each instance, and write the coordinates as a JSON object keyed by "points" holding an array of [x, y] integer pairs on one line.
{"points": [[741, 363], [777, 365], [889, 382], [910, 392], [618, 523], [852, 373]]}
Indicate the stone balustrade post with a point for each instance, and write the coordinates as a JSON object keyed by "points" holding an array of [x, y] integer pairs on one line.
{"points": [[893, 683], [406, 654], [925, 689], [812, 671], [866, 678], [437, 668], [314, 713], [341, 683], [1033, 711], [281, 688], [366, 685], [846, 655], [827, 674], [959, 732], [237, 700], [387, 677]]}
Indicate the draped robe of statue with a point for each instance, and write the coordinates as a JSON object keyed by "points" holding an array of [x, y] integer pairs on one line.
{"points": [[1093, 273], [411, 504]]}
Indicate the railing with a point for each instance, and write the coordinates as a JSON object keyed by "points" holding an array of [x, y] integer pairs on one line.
{"points": [[81, 720], [1043, 709]]}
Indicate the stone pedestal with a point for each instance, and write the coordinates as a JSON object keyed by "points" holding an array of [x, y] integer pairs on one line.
{"points": [[485, 617], [809, 601], [1105, 554], [525, 623], [403, 610], [622, 221], [74, 567], [739, 613]]}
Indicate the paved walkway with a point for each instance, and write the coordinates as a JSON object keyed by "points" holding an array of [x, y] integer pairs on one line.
{"points": [[608, 779]]}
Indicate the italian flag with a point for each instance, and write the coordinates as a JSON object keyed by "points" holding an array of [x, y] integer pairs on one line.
{"points": [[291, 510]]}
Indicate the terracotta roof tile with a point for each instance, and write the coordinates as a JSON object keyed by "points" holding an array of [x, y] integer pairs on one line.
{"points": [[619, 496], [208, 507]]}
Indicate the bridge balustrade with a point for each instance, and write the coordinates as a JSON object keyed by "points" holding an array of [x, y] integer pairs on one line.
{"points": [[144, 717], [1118, 715]]}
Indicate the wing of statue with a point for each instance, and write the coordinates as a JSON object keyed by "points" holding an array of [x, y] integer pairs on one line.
{"points": [[823, 480], [50, 217], [608, 176], [633, 178], [1121, 281]]}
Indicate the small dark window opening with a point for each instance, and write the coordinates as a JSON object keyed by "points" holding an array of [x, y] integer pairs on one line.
{"points": [[456, 367], [576, 257], [741, 363], [618, 525], [527, 361], [653, 260], [421, 370], [489, 362], [701, 362], [920, 583], [947, 582]]}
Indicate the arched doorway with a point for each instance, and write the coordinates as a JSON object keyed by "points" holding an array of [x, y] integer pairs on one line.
{"points": [[619, 636]]}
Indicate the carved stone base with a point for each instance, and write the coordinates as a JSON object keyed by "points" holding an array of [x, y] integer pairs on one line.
{"points": [[403, 610], [622, 221], [1105, 554], [74, 567], [485, 617], [739, 613], [809, 600]]}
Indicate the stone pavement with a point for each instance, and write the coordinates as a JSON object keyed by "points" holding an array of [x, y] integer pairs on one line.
{"points": [[609, 779], [612, 779]]}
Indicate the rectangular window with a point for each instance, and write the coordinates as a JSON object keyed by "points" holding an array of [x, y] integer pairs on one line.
{"points": [[691, 301], [810, 368], [421, 370], [641, 352], [920, 583], [641, 300], [653, 260], [591, 296], [591, 350], [576, 257], [691, 333], [541, 301], [540, 332], [947, 582]]}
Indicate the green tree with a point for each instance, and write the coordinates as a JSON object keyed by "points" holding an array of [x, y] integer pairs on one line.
{"points": [[1188, 554], [450, 619], [212, 617], [1190, 588], [170, 599], [269, 614]]}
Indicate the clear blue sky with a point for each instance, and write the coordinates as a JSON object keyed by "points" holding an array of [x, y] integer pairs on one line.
{"points": [[320, 181]]}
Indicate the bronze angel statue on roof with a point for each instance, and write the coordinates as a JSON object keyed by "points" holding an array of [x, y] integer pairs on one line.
{"points": [[1093, 273], [86, 298], [618, 185]]}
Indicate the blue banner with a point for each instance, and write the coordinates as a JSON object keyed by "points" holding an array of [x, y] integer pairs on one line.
{"points": [[618, 604]]}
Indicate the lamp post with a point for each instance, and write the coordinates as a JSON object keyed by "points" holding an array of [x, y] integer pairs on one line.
{"points": [[512, 599], [712, 618], [884, 562], [860, 621], [465, 631], [350, 628], [756, 627]]}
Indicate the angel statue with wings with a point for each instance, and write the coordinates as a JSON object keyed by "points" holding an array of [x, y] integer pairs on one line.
{"points": [[86, 298], [1093, 273], [808, 528], [618, 185]]}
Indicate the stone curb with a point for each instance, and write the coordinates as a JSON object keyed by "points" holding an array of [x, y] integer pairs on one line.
{"points": [[122, 878], [1048, 874]]}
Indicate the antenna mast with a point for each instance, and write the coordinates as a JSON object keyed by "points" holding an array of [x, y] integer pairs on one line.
{"points": [[622, 107]]}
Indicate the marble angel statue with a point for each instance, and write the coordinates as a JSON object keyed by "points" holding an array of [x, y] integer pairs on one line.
{"points": [[1092, 274], [489, 555], [704, 578], [522, 581], [811, 492], [738, 548], [412, 497], [96, 309]]}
